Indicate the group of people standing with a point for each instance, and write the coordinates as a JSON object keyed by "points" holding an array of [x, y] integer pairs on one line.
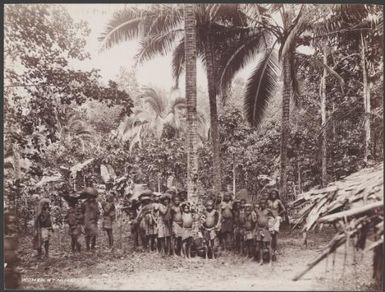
{"points": [[171, 225], [82, 218]]}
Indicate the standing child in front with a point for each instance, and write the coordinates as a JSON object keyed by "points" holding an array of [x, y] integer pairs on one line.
{"points": [[187, 229], [176, 225], [210, 221]]}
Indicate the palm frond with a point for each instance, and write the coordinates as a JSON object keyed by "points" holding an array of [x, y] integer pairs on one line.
{"points": [[155, 100], [156, 44], [131, 22], [124, 25], [228, 14], [260, 88], [166, 18], [237, 56], [178, 59], [177, 103]]}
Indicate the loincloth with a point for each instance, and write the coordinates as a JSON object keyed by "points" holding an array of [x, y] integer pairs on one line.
{"points": [[263, 234], [249, 234], [209, 234], [163, 229], [227, 225], [45, 234], [177, 229], [274, 224], [187, 233], [91, 229]]}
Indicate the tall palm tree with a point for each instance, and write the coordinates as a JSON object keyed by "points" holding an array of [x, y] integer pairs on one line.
{"points": [[160, 26], [294, 20], [191, 97]]}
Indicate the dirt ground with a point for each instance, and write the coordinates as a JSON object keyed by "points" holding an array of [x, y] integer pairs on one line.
{"points": [[125, 269]]}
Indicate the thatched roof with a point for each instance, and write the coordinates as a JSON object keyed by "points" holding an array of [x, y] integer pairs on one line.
{"points": [[354, 204]]}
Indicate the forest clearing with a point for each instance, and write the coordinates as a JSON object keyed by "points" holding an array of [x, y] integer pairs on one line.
{"points": [[139, 270]]}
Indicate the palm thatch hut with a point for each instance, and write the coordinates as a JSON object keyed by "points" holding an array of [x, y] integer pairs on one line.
{"points": [[355, 206]]}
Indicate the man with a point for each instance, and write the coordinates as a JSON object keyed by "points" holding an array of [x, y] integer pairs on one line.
{"points": [[91, 215]]}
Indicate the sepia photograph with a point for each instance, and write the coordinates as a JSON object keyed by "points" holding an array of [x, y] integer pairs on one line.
{"points": [[217, 146]]}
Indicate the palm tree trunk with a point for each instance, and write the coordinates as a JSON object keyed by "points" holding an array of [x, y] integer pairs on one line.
{"points": [[287, 91], [323, 120], [212, 86], [191, 96], [366, 100]]}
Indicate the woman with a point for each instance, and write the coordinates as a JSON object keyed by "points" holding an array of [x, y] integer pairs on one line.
{"points": [[108, 218], [165, 224], [278, 209], [91, 215], [43, 227]]}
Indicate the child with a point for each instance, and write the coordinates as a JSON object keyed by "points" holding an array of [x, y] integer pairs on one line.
{"points": [[43, 227], [227, 227], [278, 210], [210, 221], [263, 235], [165, 224], [176, 225], [74, 219], [187, 229], [250, 222], [108, 218]]}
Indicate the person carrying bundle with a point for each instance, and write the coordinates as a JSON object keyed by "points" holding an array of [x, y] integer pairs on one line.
{"points": [[91, 213], [147, 221], [74, 218]]}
